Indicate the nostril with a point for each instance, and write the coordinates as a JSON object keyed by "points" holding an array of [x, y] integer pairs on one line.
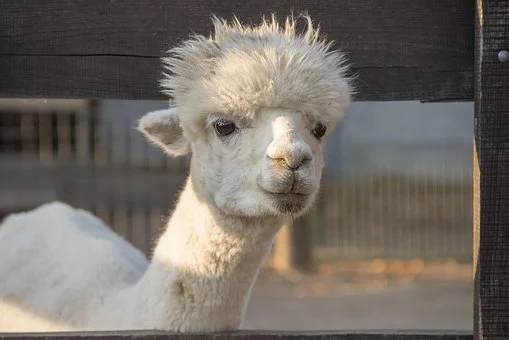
{"points": [[294, 168], [292, 163], [276, 161], [296, 163]]}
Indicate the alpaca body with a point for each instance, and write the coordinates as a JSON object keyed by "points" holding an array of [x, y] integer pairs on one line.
{"points": [[36, 291]]}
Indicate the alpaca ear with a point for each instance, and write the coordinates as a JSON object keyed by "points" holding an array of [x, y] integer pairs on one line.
{"points": [[163, 128]]}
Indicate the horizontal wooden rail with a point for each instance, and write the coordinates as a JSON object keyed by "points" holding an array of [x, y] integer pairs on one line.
{"points": [[246, 335], [400, 49]]}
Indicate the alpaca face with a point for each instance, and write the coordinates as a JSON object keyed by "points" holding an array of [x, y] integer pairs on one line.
{"points": [[253, 105], [271, 165]]}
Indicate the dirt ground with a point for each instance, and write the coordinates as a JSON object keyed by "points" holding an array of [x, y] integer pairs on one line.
{"points": [[333, 303]]}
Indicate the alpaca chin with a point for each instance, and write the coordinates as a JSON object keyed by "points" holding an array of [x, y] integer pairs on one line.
{"points": [[290, 204]]}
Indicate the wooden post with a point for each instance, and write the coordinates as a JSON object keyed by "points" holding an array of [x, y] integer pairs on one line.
{"points": [[281, 259], [491, 174], [83, 137], [302, 242], [292, 247]]}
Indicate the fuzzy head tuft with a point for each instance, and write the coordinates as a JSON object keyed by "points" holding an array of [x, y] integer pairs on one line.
{"points": [[241, 69]]}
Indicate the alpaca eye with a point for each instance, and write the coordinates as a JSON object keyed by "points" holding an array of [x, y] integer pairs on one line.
{"points": [[224, 127], [319, 130]]}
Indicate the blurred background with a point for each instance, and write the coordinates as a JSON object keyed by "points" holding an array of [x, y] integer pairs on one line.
{"points": [[388, 245]]}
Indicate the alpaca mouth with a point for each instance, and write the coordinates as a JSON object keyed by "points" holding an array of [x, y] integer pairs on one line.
{"points": [[287, 203]]}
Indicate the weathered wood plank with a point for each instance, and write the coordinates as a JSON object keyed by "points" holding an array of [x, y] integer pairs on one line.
{"points": [[245, 335], [136, 78], [110, 49], [491, 199]]}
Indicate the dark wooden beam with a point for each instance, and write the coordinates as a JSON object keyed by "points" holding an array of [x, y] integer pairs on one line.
{"points": [[491, 197], [110, 49], [244, 335]]}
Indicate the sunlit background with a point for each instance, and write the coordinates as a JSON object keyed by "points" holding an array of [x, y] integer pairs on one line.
{"points": [[388, 245]]}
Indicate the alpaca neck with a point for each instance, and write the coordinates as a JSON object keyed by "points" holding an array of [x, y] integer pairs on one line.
{"points": [[203, 267]]}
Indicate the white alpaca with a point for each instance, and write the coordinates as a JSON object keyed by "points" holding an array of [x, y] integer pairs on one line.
{"points": [[252, 104]]}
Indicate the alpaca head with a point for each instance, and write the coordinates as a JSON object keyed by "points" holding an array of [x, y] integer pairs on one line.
{"points": [[254, 106]]}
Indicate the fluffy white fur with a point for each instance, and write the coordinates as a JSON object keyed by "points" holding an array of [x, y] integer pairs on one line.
{"points": [[63, 269]]}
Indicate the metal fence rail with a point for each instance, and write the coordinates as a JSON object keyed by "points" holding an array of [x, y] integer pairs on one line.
{"points": [[394, 216]]}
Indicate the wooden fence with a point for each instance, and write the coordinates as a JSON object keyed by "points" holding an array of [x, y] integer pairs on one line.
{"points": [[402, 50]]}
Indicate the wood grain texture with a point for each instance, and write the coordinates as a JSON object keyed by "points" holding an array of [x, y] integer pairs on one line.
{"points": [[110, 49], [244, 335], [492, 196]]}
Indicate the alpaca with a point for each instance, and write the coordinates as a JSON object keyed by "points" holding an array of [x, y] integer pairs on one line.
{"points": [[253, 105]]}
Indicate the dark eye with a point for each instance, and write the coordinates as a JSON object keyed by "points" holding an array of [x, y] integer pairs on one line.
{"points": [[224, 127], [319, 130]]}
